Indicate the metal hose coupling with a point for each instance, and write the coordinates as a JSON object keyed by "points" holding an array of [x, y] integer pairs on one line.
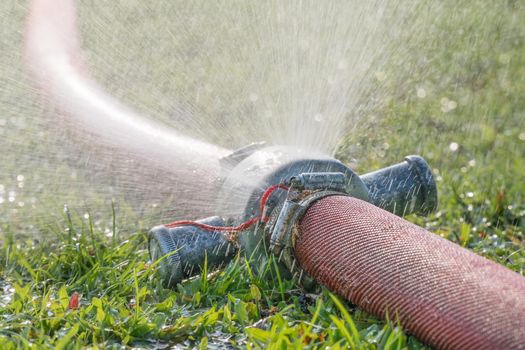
{"points": [[265, 192]]}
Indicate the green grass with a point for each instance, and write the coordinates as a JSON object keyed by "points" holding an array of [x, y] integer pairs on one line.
{"points": [[482, 207], [122, 302]]}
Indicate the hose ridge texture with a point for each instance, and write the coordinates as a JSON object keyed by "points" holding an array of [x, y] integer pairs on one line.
{"points": [[445, 295]]}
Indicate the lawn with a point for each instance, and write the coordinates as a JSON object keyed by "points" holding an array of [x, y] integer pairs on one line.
{"points": [[457, 100]]}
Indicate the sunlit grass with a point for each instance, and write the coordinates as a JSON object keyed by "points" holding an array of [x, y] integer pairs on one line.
{"points": [[122, 302]]}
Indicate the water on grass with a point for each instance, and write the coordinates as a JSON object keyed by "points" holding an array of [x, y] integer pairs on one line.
{"points": [[6, 291]]}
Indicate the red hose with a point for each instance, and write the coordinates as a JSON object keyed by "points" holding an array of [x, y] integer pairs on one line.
{"points": [[445, 295]]}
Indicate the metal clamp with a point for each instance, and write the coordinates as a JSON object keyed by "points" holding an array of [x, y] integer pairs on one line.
{"points": [[284, 233]]}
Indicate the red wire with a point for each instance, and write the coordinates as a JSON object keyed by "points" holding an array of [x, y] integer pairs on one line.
{"points": [[266, 196], [264, 199]]}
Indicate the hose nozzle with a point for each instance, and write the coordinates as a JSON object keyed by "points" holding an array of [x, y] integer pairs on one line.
{"points": [[402, 189], [185, 249]]}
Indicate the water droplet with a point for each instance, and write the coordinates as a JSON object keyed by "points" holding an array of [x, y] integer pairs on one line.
{"points": [[380, 76], [453, 146], [504, 58], [448, 105]]}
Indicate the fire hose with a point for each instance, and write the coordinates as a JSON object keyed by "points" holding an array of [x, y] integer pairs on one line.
{"points": [[327, 226]]}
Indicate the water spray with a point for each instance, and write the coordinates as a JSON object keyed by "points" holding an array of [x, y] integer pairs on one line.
{"points": [[54, 59], [326, 225]]}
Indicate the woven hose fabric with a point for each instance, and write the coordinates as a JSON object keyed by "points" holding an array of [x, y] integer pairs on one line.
{"points": [[443, 294]]}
